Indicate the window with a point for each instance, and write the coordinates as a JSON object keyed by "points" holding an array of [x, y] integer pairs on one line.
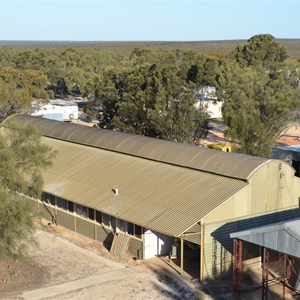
{"points": [[134, 230], [138, 231], [59, 202], [121, 225], [48, 198], [105, 220], [113, 223], [98, 216], [81, 210], [91, 214], [62, 203], [44, 196], [130, 228], [71, 206]]}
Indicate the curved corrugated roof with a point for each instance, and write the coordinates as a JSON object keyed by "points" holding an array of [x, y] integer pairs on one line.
{"points": [[161, 197], [217, 162]]}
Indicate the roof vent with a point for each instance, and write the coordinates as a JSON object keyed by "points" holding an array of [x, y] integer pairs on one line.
{"points": [[116, 191]]}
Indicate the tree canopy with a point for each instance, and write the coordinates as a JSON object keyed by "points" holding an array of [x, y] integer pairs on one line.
{"points": [[18, 89], [22, 157], [154, 92], [151, 94], [260, 94], [262, 50]]}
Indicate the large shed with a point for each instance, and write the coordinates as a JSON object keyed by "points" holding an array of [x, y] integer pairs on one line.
{"points": [[106, 184]]}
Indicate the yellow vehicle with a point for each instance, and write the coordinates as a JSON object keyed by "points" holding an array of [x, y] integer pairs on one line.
{"points": [[224, 148]]}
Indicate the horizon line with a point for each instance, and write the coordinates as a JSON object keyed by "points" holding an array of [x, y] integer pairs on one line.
{"points": [[135, 41]]}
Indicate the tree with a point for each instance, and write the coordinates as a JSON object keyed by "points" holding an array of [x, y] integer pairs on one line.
{"points": [[22, 157], [256, 108], [103, 94], [18, 89], [149, 94], [175, 116], [261, 51], [260, 94]]}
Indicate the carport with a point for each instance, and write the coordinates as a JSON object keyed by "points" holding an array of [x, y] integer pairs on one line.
{"points": [[283, 237]]}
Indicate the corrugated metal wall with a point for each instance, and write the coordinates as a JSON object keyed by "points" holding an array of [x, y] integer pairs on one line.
{"points": [[218, 246], [44, 212], [90, 229], [102, 233], [136, 248], [120, 244], [217, 250], [85, 227], [269, 190], [65, 220]]}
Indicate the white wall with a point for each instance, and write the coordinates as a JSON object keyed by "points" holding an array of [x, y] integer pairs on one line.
{"points": [[64, 111], [214, 108], [156, 244]]}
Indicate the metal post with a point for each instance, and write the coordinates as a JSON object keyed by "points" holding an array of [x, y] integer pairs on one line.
{"points": [[237, 265], [181, 256], [289, 268], [201, 275], [265, 273], [284, 273]]}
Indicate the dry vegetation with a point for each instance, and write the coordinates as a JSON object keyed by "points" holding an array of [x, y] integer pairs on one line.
{"points": [[207, 47]]}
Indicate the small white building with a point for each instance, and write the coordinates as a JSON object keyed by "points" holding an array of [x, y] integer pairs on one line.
{"points": [[206, 99], [58, 110]]}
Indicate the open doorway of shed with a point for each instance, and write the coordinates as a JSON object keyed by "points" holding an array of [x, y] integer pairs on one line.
{"points": [[191, 259]]}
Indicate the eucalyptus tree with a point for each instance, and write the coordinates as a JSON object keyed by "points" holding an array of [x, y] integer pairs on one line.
{"points": [[18, 89], [175, 116], [22, 158], [256, 108], [261, 51], [149, 99], [261, 94]]}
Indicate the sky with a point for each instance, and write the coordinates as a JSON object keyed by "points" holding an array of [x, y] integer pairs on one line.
{"points": [[147, 20]]}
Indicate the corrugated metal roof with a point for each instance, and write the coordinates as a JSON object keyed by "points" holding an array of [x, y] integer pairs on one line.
{"points": [[217, 162], [162, 197], [292, 148], [282, 237]]}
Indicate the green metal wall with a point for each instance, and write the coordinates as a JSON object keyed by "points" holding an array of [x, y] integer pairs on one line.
{"points": [[218, 246], [102, 233], [44, 213], [85, 227], [136, 248], [89, 229], [65, 220]]}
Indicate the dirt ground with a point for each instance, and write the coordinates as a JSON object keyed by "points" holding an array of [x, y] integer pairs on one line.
{"points": [[64, 256], [290, 136]]}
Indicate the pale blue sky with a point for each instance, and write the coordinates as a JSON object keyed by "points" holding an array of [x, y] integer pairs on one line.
{"points": [[146, 20]]}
